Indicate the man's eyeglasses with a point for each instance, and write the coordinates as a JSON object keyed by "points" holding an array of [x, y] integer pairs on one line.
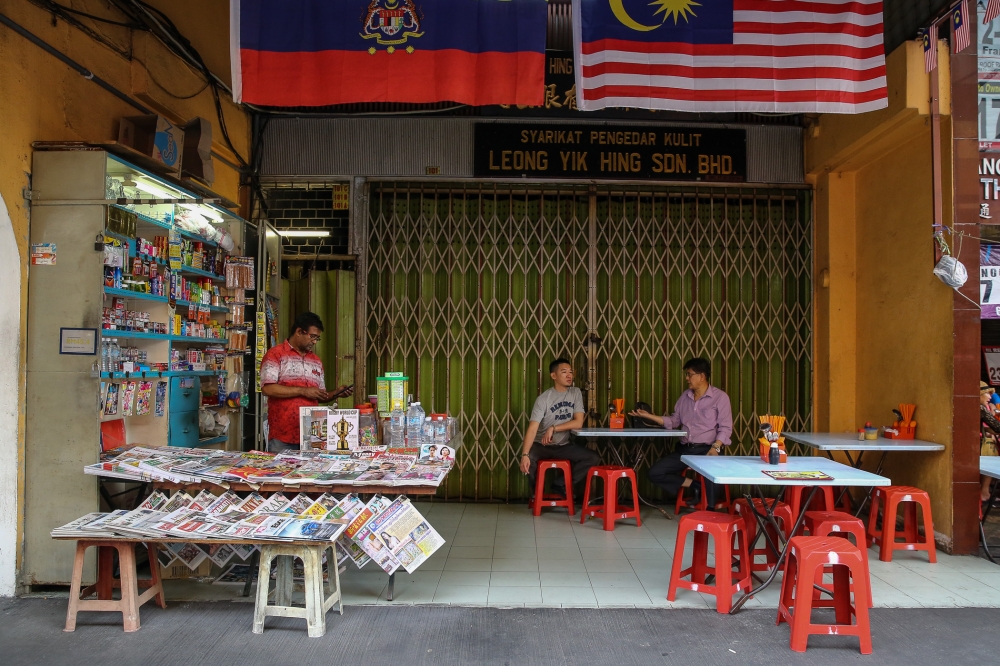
{"points": [[689, 374], [314, 338]]}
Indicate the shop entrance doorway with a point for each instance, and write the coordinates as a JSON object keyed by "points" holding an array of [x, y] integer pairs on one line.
{"points": [[473, 288]]}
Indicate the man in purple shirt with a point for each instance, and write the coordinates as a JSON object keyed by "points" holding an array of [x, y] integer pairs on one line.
{"points": [[705, 413]]}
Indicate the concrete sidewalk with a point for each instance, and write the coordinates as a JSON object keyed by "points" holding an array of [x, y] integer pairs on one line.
{"points": [[218, 634]]}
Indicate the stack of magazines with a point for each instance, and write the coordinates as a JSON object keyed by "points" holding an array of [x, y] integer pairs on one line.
{"points": [[391, 532], [399, 467]]}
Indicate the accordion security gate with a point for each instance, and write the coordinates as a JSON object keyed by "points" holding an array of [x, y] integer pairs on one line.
{"points": [[472, 289]]}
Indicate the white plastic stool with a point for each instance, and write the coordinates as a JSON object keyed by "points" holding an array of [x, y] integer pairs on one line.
{"points": [[317, 603]]}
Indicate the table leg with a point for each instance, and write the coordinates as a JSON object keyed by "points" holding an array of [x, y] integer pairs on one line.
{"points": [[868, 495], [105, 495], [763, 520], [392, 585], [140, 496], [254, 561], [856, 464], [781, 557], [982, 522], [761, 530]]}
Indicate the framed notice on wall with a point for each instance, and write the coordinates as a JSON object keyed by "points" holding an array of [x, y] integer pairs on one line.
{"points": [[78, 341]]}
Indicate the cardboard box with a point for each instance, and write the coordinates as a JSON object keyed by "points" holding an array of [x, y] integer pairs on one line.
{"points": [[155, 137], [198, 150], [178, 571]]}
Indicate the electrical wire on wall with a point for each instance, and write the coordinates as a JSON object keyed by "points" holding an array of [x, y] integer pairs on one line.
{"points": [[69, 15], [142, 16]]}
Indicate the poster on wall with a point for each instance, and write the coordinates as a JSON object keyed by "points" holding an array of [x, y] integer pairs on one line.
{"points": [[989, 281], [991, 355], [988, 44]]}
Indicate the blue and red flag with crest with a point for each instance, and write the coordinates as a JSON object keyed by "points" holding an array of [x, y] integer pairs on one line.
{"points": [[323, 52]]}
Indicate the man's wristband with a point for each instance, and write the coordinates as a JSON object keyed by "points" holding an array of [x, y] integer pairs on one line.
{"points": [[523, 454]]}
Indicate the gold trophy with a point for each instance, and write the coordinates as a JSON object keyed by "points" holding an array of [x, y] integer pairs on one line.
{"points": [[342, 429]]}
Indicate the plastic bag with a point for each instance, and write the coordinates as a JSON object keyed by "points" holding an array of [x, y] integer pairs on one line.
{"points": [[951, 271]]}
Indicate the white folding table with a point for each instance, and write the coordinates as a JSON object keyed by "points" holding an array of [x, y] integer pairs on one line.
{"points": [[749, 471], [640, 451], [828, 442], [989, 466]]}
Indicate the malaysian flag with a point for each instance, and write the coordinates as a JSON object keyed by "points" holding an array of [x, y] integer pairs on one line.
{"points": [[960, 24], [930, 48], [730, 55], [992, 11]]}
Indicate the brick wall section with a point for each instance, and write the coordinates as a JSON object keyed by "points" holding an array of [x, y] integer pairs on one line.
{"points": [[304, 208]]}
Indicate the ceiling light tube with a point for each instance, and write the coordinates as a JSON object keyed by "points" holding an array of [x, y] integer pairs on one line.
{"points": [[204, 211], [303, 233], [155, 191]]}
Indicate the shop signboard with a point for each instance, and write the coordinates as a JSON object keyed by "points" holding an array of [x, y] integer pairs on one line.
{"points": [[610, 151]]}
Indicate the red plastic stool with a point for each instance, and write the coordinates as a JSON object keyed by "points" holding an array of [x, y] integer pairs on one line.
{"points": [[838, 523], [552, 500], [782, 513], [611, 510], [807, 557], [891, 497], [703, 502], [723, 528], [822, 501]]}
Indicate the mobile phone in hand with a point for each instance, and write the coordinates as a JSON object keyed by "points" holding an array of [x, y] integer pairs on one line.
{"points": [[342, 391]]}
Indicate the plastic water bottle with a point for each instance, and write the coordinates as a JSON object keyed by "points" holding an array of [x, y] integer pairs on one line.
{"points": [[440, 432], [428, 430], [415, 425], [397, 427]]}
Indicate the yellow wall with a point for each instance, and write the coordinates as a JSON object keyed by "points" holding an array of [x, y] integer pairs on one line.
{"points": [[45, 100], [883, 323]]}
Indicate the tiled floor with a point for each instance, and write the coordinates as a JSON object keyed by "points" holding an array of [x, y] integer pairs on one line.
{"points": [[499, 555]]}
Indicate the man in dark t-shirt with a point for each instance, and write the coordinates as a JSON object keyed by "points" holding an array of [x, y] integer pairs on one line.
{"points": [[556, 412]]}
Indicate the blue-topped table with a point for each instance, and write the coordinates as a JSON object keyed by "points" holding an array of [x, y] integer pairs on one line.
{"points": [[749, 471], [989, 466], [849, 444]]}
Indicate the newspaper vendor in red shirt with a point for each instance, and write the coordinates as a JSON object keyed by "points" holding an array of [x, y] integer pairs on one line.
{"points": [[291, 376]]}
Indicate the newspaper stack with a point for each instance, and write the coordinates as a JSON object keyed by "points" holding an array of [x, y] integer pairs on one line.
{"points": [[392, 532], [179, 465]]}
